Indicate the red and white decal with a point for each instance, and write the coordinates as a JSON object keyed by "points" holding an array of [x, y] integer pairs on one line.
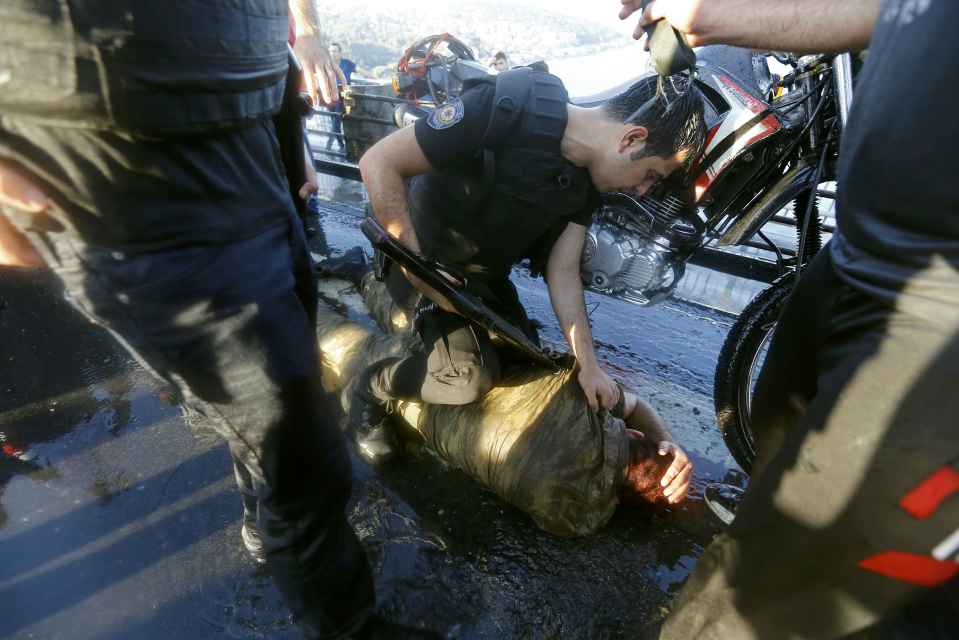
{"points": [[743, 109], [942, 565]]}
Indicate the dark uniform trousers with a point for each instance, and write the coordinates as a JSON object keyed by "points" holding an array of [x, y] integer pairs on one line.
{"points": [[458, 362], [855, 414], [233, 326]]}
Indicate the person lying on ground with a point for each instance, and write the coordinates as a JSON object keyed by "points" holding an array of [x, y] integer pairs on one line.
{"points": [[533, 440]]}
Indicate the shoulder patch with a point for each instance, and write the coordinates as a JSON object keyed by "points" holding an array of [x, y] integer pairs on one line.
{"points": [[447, 114]]}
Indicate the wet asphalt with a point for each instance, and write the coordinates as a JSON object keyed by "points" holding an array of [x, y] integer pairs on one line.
{"points": [[119, 520]]}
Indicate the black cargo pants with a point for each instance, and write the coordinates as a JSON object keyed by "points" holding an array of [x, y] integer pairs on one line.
{"points": [[458, 362], [845, 526], [233, 327]]}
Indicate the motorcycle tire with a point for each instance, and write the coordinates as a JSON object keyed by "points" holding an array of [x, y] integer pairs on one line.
{"points": [[738, 366]]}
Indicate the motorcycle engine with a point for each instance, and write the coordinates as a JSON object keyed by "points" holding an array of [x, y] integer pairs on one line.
{"points": [[636, 248]]}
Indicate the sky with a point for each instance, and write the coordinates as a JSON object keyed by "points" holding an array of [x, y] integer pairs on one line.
{"points": [[604, 12]]}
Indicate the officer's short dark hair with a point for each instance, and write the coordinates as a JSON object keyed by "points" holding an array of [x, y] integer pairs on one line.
{"points": [[673, 114], [499, 55]]}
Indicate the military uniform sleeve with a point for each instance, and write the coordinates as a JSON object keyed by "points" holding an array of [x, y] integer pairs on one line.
{"points": [[458, 142]]}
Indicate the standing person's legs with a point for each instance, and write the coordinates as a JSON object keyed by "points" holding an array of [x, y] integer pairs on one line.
{"points": [[828, 539], [336, 127], [231, 325]]}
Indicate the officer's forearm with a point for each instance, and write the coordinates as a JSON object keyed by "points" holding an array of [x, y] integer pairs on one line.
{"points": [[804, 26], [387, 193], [306, 16], [566, 296]]}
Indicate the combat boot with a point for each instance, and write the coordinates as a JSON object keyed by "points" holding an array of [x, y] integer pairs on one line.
{"points": [[253, 542], [369, 422]]}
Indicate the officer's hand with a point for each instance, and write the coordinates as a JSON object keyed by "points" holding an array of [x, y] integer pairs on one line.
{"points": [[311, 185], [675, 481], [19, 193], [684, 15], [600, 390], [318, 69]]}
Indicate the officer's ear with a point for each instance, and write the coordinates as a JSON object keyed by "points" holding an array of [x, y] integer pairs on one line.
{"points": [[633, 138]]}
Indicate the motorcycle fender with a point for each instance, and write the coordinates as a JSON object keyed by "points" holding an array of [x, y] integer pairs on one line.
{"points": [[786, 189]]}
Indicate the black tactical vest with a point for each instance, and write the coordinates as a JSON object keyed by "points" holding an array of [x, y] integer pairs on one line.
{"points": [[147, 67], [519, 192]]}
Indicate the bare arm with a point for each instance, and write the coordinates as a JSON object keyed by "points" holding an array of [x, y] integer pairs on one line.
{"points": [[385, 167], [310, 47], [566, 295], [18, 192], [803, 26], [642, 417]]}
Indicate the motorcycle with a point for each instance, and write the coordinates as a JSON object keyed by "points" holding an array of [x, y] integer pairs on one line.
{"points": [[430, 71], [771, 142]]}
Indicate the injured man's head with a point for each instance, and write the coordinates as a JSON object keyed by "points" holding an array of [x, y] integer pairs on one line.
{"points": [[645, 471], [532, 440]]}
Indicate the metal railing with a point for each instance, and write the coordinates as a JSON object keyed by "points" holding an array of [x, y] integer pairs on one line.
{"points": [[327, 127]]}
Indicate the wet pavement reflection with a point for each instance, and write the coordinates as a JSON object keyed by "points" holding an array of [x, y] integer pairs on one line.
{"points": [[118, 519]]}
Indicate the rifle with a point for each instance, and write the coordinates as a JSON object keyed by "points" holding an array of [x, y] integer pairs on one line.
{"points": [[441, 279]]}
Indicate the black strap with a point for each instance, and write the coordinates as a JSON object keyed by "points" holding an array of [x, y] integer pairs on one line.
{"points": [[512, 92]]}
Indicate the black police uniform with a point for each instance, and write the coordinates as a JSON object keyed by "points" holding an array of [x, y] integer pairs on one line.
{"points": [[848, 527], [500, 192], [148, 123]]}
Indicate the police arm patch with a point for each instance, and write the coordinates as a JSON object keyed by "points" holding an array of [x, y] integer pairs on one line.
{"points": [[447, 114]]}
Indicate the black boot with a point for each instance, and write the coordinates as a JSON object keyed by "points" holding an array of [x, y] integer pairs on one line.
{"points": [[351, 266], [253, 542], [369, 422], [377, 446]]}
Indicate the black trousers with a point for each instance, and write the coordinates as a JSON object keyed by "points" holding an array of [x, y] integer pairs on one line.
{"points": [[855, 416], [458, 362], [233, 326]]}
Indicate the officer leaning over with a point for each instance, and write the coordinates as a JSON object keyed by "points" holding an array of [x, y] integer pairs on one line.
{"points": [[509, 171]]}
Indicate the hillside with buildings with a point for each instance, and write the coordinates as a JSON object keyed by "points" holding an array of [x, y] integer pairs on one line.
{"points": [[375, 35]]}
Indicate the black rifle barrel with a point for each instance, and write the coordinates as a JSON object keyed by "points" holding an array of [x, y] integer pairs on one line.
{"points": [[466, 304]]}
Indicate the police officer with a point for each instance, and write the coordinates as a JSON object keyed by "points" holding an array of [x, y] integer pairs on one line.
{"points": [[509, 171], [848, 528], [138, 160]]}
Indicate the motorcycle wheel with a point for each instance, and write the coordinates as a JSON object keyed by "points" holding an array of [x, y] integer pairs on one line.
{"points": [[740, 362]]}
